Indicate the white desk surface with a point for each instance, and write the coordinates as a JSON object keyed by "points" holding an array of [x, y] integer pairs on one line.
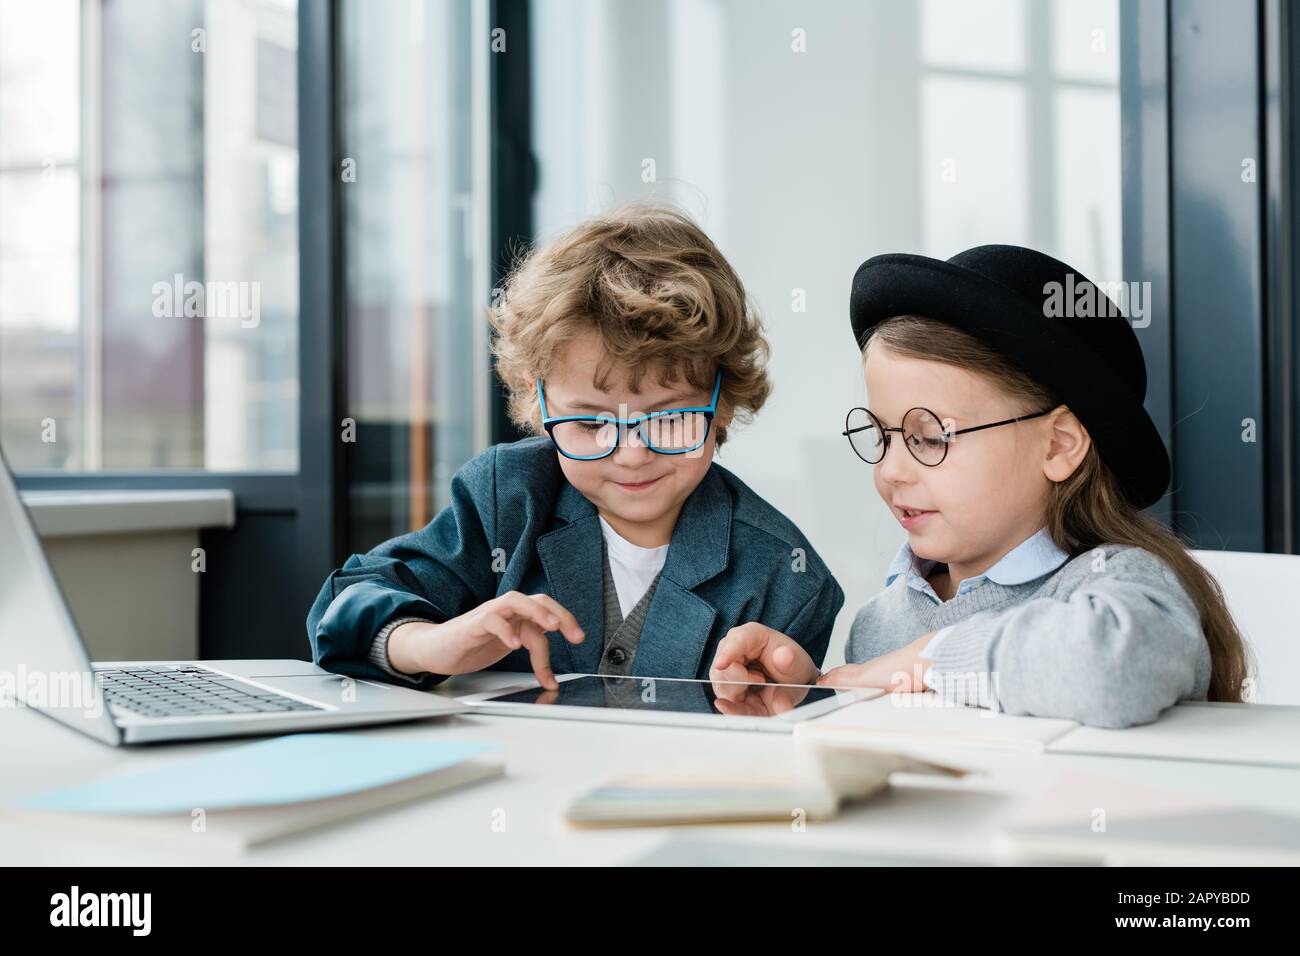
{"points": [[548, 762]]}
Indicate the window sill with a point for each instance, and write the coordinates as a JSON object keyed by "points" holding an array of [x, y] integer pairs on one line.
{"points": [[75, 513]]}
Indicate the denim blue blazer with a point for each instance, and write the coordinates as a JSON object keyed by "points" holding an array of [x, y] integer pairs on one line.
{"points": [[515, 524]]}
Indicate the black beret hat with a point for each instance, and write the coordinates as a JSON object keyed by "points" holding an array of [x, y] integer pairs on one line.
{"points": [[1049, 320]]}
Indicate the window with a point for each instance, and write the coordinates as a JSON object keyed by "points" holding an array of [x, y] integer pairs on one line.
{"points": [[148, 235], [1021, 128], [412, 179]]}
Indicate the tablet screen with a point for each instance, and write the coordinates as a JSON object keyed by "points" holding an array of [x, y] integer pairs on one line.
{"points": [[667, 696]]}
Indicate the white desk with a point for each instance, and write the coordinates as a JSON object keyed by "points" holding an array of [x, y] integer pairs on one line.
{"points": [[550, 761]]}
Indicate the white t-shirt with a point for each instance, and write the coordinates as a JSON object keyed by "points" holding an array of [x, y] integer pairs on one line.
{"points": [[632, 566]]}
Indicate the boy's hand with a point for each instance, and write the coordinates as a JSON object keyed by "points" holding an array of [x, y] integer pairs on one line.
{"points": [[901, 671], [481, 637], [755, 653]]}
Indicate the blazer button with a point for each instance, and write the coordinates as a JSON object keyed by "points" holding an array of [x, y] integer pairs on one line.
{"points": [[617, 656]]}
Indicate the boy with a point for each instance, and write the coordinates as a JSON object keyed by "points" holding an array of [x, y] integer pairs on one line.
{"points": [[610, 542]]}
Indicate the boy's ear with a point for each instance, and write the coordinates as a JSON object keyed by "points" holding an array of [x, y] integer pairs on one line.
{"points": [[722, 417], [1069, 445]]}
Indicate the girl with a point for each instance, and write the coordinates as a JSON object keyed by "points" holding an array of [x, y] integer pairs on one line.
{"points": [[1008, 437]]}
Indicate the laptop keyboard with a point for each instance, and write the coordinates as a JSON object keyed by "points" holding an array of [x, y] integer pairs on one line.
{"points": [[187, 691]]}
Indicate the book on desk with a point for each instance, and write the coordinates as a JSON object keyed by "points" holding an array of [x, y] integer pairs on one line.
{"points": [[249, 794]]}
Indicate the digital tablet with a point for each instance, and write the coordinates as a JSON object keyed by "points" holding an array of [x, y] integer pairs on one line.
{"points": [[668, 700]]}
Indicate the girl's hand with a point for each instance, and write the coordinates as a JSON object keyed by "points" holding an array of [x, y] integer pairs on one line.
{"points": [[755, 653], [481, 637], [901, 670]]}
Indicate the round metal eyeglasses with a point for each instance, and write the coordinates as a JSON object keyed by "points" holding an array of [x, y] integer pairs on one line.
{"points": [[923, 433]]}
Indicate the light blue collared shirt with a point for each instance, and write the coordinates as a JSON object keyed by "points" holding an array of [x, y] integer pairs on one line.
{"points": [[1032, 558]]}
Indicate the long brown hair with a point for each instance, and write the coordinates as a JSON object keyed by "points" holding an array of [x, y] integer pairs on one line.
{"points": [[1088, 509]]}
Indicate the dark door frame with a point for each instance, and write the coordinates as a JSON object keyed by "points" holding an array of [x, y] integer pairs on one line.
{"points": [[1207, 91]]}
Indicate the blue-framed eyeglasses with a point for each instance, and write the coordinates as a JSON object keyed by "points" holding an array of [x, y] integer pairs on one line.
{"points": [[674, 431]]}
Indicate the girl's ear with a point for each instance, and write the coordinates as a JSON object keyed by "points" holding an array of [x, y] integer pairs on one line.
{"points": [[1069, 445]]}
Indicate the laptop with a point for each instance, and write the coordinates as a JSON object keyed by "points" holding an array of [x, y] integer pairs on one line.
{"points": [[44, 666]]}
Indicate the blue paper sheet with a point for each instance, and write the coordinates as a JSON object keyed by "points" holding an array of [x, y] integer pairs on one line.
{"points": [[277, 771]]}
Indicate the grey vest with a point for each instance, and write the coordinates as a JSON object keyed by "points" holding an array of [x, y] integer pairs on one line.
{"points": [[621, 635]]}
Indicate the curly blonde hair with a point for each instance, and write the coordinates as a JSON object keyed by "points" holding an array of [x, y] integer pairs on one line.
{"points": [[660, 295]]}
